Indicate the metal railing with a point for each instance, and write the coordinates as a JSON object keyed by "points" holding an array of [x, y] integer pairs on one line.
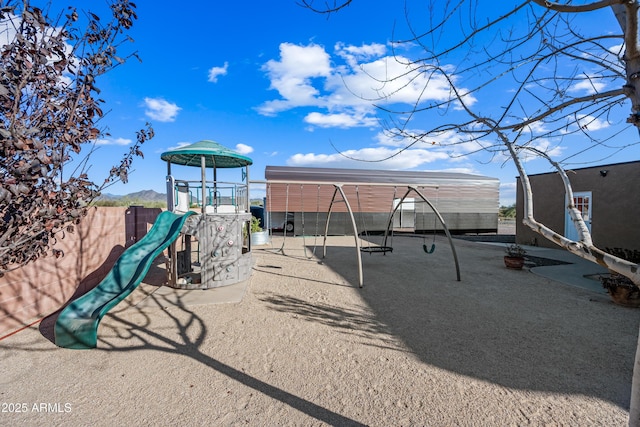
{"points": [[223, 197]]}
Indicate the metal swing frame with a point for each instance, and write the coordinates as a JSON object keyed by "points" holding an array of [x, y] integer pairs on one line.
{"points": [[383, 249], [339, 190], [410, 188]]}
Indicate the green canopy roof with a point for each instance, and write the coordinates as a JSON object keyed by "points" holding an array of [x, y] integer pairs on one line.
{"points": [[215, 154]]}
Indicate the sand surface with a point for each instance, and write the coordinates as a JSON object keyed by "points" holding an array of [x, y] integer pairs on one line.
{"points": [[306, 347]]}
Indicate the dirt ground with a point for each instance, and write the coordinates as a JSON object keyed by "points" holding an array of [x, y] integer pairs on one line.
{"points": [[306, 346]]}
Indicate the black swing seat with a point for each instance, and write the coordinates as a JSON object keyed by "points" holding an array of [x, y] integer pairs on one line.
{"points": [[376, 249]]}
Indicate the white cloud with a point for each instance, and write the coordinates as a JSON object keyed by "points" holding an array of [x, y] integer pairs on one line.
{"points": [[161, 110], [7, 28], [341, 120], [543, 145], [508, 191], [455, 145], [369, 158], [291, 76], [215, 72], [589, 85], [353, 54], [8, 33], [112, 141], [591, 123], [364, 51], [390, 80], [437, 138], [617, 50], [178, 145], [344, 94], [243, 149], [535, 128], [467, 170], [443, 151]]}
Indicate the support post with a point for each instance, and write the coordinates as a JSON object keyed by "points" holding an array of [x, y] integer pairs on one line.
{"points": [[435, 211], [203, 175], [338, 188]]}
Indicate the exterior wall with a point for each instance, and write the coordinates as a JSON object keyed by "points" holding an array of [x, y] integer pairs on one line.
{"points": [[615, 202], [138, 221], [468, 203], [42, 287], [457, 223]]}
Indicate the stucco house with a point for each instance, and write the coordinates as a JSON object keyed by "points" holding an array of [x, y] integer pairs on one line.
{"points": [[607, 195]]}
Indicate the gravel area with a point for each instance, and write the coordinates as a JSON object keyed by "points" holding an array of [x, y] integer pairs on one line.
{"points": [[307, 347]]}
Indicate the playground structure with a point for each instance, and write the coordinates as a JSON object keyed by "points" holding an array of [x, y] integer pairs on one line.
{"points": [[339, 196], [220, 232], [77, 325], [366, 202]]}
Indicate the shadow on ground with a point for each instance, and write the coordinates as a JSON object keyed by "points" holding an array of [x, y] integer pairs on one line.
{"points": [[507, 327], [186, 336]]}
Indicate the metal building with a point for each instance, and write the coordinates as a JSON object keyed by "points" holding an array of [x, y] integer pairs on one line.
{"points": [[468, 203]]}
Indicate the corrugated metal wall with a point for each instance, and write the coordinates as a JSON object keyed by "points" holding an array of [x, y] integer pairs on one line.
{"points": [[316, 198], [451, 193], [468, 203]]}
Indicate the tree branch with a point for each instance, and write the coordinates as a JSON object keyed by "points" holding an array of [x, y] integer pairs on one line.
{"points": [[558, 7], [588, 98], [327, 9]]}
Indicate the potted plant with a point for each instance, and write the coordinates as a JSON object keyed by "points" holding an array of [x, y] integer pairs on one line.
{"points": [[514, 257], [258, 235], [620, 288]]}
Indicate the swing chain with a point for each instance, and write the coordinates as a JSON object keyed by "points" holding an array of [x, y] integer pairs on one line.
{"points": [[435, 217]]}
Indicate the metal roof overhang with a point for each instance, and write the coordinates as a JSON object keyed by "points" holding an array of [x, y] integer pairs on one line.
{"points": [[387, 177]]}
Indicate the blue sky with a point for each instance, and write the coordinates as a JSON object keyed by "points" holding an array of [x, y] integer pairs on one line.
{"points": [[277, 83]]}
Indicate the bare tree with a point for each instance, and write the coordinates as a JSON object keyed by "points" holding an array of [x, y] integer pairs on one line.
{"points": [[537, 47], [565, 78], [49, 113]]}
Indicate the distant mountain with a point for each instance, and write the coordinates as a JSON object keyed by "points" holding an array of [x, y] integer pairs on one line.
{"points": [[148, 195], [140, 196]]}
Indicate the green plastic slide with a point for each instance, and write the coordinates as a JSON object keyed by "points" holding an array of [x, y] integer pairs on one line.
{"points": [[77, 325]]}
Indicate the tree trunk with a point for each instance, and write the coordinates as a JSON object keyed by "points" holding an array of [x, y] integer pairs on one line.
{"points": [[627, 16]]}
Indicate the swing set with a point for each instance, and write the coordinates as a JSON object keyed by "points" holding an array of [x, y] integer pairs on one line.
{"points": [[339, 196], [286, 216]]}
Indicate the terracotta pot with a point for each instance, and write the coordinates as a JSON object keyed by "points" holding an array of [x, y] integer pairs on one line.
{"points": [[621, 291], [624, 296], [514, 262]]}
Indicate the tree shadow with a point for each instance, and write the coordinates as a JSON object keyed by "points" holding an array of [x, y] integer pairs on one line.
{"points": [[493, 325], [347, 321], [275, 271], [192, 331], [187, 334], [45, 285], [136, 222]]}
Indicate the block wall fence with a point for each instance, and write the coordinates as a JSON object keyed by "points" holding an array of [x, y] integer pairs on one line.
{"points": [[42, 287]]}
